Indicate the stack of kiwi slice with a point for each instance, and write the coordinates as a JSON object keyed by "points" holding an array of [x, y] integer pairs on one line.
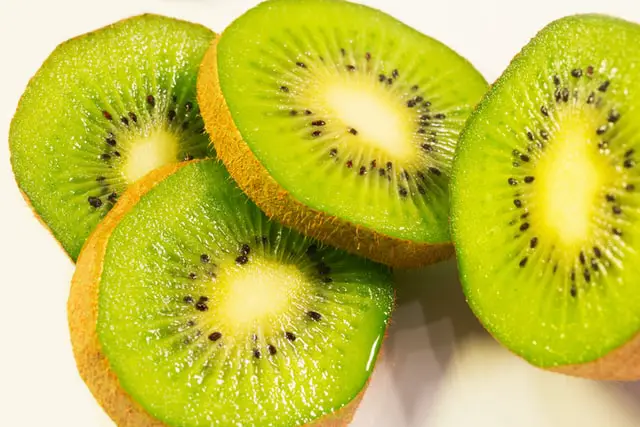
{"points": [[235, 202]]}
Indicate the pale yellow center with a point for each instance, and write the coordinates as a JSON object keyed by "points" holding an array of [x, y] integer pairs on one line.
{"points": [[570, 176], [149, 152], [257, 293]]}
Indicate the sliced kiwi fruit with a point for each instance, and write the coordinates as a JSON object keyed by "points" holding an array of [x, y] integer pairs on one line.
{"points": [[344, 125], [190, 308], [103, 110], [545, 196]]}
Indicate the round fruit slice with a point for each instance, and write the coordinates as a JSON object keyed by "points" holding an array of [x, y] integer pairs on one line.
{"points": [[344, 125], [545, 201], [189, 308], [103, 110]]}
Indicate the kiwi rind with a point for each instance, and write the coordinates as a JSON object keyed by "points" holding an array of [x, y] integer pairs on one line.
{"points": [[33, 205], [82, 309], [255, 181], [618, 363]]}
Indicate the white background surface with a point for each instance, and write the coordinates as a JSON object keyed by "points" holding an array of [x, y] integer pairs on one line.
{"points": [[439, 369]]}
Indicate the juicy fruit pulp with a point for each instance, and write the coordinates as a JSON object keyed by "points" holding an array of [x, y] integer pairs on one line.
{"points": [[105, 109], [210, 314], [544, 195], [351, 112]]}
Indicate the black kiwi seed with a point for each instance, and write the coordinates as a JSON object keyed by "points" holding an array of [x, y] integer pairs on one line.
{"points": [[316, 133], [382, 78], [318, 123], [333, 152], [435, 171], [597, 252], [272, 350], [367, 56], [517, 203], [440, 116], [614, 116], [421, 189], [530, 136], [151, 100], [323, 269], [533, 243], [616, 231], [524, 157], [94, 201], [389, 81], [301, 64], [524, 227], [353, 131], [107, 115], [202, 306], [617, 210], [314, 315], [512, 181], [389, 166], [203, 299], [604, 86], [427, 147], [544, 134], [284, 89], [363, 170], [630, 187], [610, 198], [113, 197], [342, 51], [629, 152], [256, 353], [133, 117], [529, 179], [188, 157], [582, 258], [204, 258], [124, 121], [350, 67], [171, 115], [111, 141], [395, 74], [403, 191], [590, 70], [188, 106], [586, 275], [242, 259], [574, 291], [374, 164], [523, 262], [245, 249], [556, 80], [565, 94], [349, 164], [544, 111], [290, 336], [591, 98], [192, 276], [628, 164], [116, 153], [577, 72], [411, 103], [293, 113], [327, 280], [215, 336], [381, 172], [188, 299], [312, 249], [594, 265], [601, 130], [414, 88], [101, 179]]}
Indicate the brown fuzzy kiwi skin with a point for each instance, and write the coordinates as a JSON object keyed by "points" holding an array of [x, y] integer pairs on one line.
{"points": [[254, 179], [621, 364], [25, 196], [82, 312]]}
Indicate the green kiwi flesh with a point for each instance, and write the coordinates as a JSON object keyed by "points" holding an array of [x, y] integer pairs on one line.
{"points": [[350, 111], [545, 203], [210, 314], [104, 109]]}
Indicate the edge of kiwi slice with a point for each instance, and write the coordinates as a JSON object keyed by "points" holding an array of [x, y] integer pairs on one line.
{"points": [[67, 156], [575, 89], [277, 201], [82, 308]]}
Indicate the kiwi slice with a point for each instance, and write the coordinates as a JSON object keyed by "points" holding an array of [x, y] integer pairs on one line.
{"points": [[103, 110], [344, 124], [545, 201], [190, 308]]}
